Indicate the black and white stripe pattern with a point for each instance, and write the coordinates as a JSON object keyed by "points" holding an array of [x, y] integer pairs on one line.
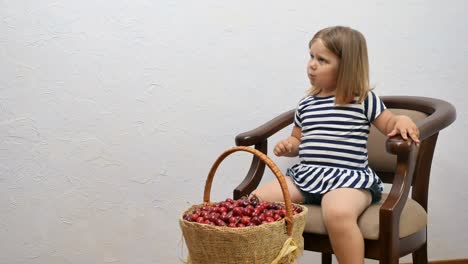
{"points": [[333, 150]]}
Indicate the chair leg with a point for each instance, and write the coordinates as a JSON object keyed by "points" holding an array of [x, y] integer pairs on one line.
{"points": [[326, 258], [420, 255]]}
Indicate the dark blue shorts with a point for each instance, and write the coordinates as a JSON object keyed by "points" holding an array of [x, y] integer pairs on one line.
{"points": [[316, 198]]}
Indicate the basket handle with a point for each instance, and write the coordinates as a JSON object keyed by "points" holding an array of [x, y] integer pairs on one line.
{"points": [[273, 168]]}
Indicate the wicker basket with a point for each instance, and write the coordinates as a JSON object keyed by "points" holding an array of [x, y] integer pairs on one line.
{"points": [[277, 242]]}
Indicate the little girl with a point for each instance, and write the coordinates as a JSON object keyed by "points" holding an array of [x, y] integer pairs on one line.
{"points": [[331, 128]]}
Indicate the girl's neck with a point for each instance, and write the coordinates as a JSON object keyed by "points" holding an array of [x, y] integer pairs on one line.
{"points": [[323, 93]]}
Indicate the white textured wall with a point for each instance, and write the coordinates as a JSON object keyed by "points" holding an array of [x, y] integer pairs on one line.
{"points": [[112, 112]]}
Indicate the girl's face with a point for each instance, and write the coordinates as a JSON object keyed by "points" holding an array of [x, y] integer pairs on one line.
{"points": [[322, 68]]}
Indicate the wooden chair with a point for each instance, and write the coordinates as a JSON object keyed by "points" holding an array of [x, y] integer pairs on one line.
{"points": [[396, 226]]}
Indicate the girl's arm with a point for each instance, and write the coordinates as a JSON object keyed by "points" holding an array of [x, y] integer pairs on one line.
{"points": [[391, 125], [289, 147]]}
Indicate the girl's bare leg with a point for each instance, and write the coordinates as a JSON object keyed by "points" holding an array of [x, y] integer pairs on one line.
{"points": [[271, 192], [341, 208]]}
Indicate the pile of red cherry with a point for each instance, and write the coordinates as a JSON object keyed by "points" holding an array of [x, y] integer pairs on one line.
{"points": [[239, 213]]}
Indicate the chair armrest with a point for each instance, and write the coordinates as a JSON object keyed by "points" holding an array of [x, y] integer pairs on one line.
{"points": [[406, 153], [254, 175], [259, 137], [390, 211], [397, 145], [266, 130], [440, 115]]}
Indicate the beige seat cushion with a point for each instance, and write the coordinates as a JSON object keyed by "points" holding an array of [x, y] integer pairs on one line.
{"points": [[413, 218]]}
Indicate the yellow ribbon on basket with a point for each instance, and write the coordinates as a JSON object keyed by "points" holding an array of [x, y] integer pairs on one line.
{"points": [[289, 247]]}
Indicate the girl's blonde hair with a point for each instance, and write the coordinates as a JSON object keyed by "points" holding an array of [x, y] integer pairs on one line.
{"points": [[353, 70]]}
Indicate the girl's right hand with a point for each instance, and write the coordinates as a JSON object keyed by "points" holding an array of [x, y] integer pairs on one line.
{"points": [[283, 148]]}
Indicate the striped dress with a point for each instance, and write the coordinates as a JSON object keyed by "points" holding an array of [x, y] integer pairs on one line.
{"points": [[333, 149]]}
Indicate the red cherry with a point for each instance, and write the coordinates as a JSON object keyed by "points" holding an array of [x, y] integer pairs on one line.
{"points": [[194, 217], [186, 217], [262, 217], [255, 220], [238, 211], [213, 217], [254, 202], [248, 212], [282, 212], [298, 210], [230, 207], [204, 213], [272, 206], [224, 216], [255, 214], [260, 208], [245, 220], [220, 222], [229, 213]]}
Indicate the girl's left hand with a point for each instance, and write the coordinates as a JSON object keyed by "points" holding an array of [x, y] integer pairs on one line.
{"points": [[405, 127]]}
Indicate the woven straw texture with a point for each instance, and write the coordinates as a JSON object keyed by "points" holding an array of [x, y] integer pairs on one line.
{"points": [[257, 244]]}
